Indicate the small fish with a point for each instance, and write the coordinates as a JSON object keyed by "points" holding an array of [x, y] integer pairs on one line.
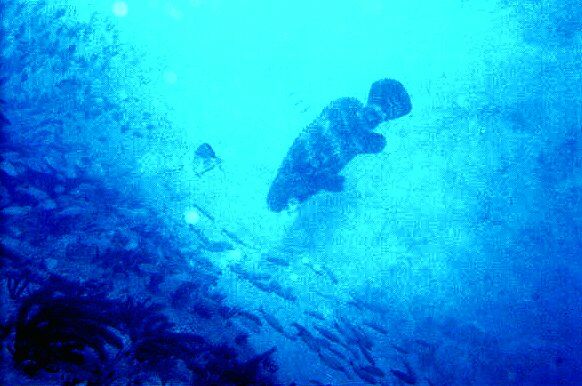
{"points": [[272, 321], [311, 341], [204, 212], [407, 377], [16, 210], [35, 193], [205, 160], [249, 316], [330, 274], [315, 314], [218, 246], [283, 292], [261, 286], [233, 237], [337, 353], [9, 168], [367, 355], [315, 268], [317, 383], [205, 151], [376, 327], [71, 211], [354, 351], [332, 362], [60, 13], [355, 305], [400, 349], [423, 343], [254, 362], [357, 335], [51, 121], [328, 334], [373, 370], [276, 260], [203, 239], [4, 121], [363, 375], [376, 306], [326, 296]]}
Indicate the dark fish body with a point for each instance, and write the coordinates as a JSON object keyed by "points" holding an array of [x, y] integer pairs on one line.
{"points": [[205, 159], [205, 151], [341, 132]]}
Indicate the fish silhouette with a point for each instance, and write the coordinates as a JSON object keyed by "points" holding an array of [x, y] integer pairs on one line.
{"points": [[343, 130]]}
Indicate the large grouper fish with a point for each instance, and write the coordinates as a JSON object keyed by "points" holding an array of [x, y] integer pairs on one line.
{"points": [[343, 130]]}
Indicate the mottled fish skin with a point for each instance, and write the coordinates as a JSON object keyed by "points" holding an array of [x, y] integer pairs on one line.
{"points": [[320, 152], [341, 132]]}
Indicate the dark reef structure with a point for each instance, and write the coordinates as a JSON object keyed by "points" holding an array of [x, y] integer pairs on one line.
{"points": [[63, 328], [341, 132], [73, 332], [98, 328]]}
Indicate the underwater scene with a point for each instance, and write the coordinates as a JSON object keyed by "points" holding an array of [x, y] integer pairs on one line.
{"points": [[236, 192]]}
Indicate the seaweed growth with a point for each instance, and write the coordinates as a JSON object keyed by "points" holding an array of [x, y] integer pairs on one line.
{"points": [[74, 333], [184, 356], [63, 328]]}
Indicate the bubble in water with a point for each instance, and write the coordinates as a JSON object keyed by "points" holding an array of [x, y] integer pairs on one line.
{"points": [[119, 8], [170, 77], [191, 216]]}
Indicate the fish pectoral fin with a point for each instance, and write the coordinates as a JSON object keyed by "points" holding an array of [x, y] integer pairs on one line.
{"points": [[373, 143]]}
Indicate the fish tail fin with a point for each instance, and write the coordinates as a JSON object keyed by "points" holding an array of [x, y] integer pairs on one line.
{"points": [[390, 96]]}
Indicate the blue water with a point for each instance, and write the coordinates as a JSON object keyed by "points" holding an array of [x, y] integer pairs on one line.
{"points": [[141, 139]]}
